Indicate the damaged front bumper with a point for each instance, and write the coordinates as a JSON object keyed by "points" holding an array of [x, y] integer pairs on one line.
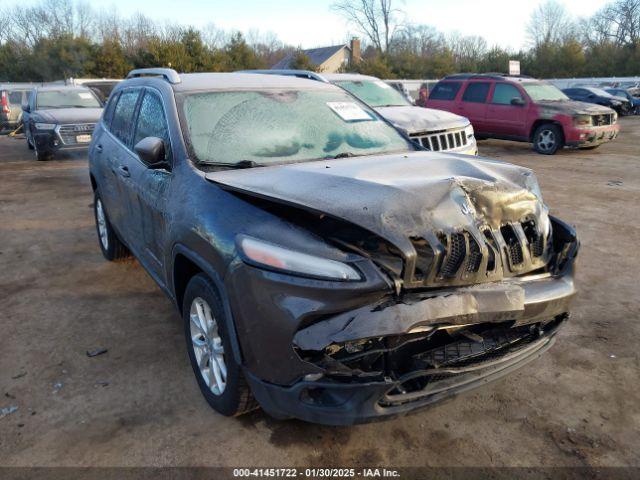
{"points": [[333, 402], [592, 136], [312, 351]]}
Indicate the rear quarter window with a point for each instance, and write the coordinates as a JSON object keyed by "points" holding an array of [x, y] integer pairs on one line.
{"points": [[108, 111], [122, 123], [445, 91]]}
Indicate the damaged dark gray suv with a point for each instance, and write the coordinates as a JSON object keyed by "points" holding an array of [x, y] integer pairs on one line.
{"points": [[325, 267]]}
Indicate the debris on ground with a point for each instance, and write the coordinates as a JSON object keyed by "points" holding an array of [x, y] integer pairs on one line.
{"points": [[7, 410], [102, 384], [614, 183], [8, 395], [20, 375], [57, 386], [96, 352]]}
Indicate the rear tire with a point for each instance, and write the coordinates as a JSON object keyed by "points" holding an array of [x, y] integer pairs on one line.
{"points": [[547, 139], [219, 376], [110, 245]]}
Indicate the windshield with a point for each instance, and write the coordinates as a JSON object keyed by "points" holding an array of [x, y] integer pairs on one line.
{"points": [[374, 93], [67, 99], [543, 91], [282, 126], [599, 91]]}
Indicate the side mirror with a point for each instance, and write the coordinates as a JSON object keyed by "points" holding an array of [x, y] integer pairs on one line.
{"points": [[517, 101], [151, 151], [26, 108]]}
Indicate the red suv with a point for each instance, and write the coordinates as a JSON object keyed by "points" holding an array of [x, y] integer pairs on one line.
{"points": [[526, 110]]}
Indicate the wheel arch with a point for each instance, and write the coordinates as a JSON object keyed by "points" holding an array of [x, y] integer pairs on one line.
{"points": [[542, 121], [187, 264]]}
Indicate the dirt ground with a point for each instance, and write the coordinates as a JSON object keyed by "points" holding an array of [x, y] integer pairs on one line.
{"points": [[139, 405]]}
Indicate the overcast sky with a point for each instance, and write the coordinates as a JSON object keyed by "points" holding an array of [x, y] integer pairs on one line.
{"points": [[312, 23]]}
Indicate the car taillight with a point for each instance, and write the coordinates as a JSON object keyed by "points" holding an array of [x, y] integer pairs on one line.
{"points": [[4, 102]]}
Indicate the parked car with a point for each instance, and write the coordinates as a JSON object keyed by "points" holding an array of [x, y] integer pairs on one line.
{"points": [[102, 87], [325, 267], [623, 93], [12, 96], [599, 97], [526, 110], [436, 130], [60, 118]]}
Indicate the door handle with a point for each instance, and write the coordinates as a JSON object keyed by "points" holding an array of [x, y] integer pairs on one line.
{"points": [[99, 148], [123, 170]]}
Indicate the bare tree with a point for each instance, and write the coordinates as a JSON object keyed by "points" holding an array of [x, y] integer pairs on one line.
{"points": [[84, 20], [467, 51], [377, 20], [619, 22], [4, 26], [214, 37], [550, 24]]}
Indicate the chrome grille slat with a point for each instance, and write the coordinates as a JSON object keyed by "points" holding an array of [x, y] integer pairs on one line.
{"points": [[442, 141], [69, 132]]}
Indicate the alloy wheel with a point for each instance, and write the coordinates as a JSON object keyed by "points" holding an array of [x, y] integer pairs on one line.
{"points": [[102, 225], [546, 140], [207, 346]]}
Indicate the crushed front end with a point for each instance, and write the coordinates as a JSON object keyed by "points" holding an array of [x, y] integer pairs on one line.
{"points": [[408, 349], [480, 292]]}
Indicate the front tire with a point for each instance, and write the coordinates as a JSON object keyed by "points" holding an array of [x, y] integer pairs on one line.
{"points": [[547, 139], [43, 156], [219, 376], [110, 245]]}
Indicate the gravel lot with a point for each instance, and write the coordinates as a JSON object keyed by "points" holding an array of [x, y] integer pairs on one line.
{"points": [[139, 405]]}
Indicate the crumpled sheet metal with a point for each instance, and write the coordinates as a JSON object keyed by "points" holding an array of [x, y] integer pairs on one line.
{"points": [[401, 196], [476, 304]]}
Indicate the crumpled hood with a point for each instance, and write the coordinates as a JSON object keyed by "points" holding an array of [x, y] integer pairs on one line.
{"points": [[400, 196], [70, 115], [418, 119], [573, 107]]}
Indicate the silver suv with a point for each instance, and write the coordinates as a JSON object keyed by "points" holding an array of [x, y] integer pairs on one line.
{"points": [[436, 130]]}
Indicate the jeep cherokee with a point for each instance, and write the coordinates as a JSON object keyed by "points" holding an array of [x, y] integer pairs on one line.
{"points": [[325, 267]]}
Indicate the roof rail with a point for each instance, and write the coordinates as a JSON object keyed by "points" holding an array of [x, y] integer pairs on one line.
{"points": [[491, 75], [169, 74], [308, 74]]}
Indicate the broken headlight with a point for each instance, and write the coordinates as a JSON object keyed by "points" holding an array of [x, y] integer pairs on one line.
{"points": [[582, 121], [274, 257]]}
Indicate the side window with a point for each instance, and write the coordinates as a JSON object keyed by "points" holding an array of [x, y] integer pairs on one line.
{"points": [[122, 123], [15, 97], [504, 93], [152, 122], [445, 91], [108, 111], [476, 92]]}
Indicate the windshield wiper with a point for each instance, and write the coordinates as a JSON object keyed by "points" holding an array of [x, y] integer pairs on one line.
{"points": [[341, 155], [239, 164]]}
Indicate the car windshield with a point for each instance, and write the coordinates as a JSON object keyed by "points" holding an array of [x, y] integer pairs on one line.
{"points": [[540, 92], [374, 93], [67, 99], [599, 91], [283, 126]]}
